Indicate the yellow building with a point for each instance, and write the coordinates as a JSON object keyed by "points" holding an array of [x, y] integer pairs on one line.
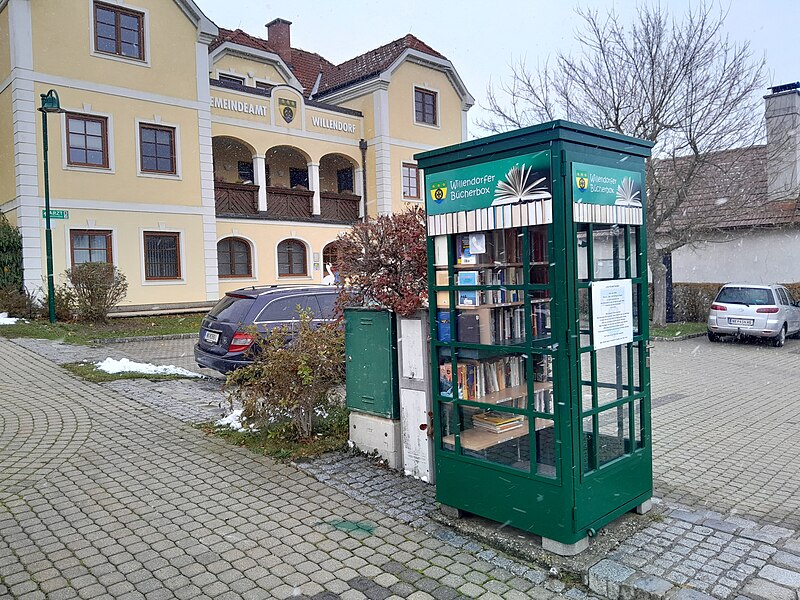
{"points": [[199, 159]]}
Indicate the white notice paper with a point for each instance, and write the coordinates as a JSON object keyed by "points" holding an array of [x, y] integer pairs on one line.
{"points": [[477, 243], [612, 313]]}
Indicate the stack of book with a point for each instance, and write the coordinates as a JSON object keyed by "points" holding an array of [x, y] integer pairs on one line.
{"points": [[497, 422]]}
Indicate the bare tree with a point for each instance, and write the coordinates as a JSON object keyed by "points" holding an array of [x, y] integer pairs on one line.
{"points": [[678, 82]]}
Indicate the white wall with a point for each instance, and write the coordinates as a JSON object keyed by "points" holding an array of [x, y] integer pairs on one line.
{"points": [[760, 256]]}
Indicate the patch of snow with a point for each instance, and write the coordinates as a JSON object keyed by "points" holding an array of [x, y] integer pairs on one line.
{"points": [[235, 421], [6, 320], [125, 365]]}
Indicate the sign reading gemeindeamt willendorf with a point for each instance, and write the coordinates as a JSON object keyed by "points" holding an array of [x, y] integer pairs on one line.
{"points": [[510, 192], [606, 194]]}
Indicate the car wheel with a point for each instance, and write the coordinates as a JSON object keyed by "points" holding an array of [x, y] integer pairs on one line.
{"points": [[713, 337], [779, 340]]}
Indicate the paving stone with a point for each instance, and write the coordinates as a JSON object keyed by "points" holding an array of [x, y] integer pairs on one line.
{"points": [[761, 589], [781, 576]]}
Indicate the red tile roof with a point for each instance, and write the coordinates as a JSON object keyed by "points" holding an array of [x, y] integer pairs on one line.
{"points": [[307, 66], [730, 190]]}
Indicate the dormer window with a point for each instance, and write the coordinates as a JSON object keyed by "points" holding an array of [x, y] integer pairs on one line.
{"points": [[425, 106], [118, 31], [233, 79]]}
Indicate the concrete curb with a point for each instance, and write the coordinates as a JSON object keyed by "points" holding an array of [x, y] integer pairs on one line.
{"points": [[679, 338], [147, 338]]}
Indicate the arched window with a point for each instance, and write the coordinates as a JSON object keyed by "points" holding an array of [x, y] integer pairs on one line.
{"points": [[233, 258], [292, 258], [331, 255]]}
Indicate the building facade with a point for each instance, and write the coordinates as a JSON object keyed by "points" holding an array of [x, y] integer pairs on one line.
{"points": [[199, 159]]}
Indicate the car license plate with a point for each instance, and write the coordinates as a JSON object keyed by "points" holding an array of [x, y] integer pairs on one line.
{"points": [[733, 321], [212, 337]]}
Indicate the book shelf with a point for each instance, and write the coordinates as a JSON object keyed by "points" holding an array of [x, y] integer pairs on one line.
{"points": [[537, 276]]}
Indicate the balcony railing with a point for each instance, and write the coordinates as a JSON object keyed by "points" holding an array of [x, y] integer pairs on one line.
{"points": [[236, 198], [285, 203], [339, 207]]}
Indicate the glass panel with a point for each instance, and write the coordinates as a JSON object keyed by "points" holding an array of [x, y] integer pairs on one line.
{"points": [[77, 155], [443, 330], [613, 439], [634, 251], [77, 140], [545, 448], [540, 314], [98, 241], [94, 128], [637, 382], [149, 163], [130, 36], [163, 151], [635, 306], [77, 126], [93, 143], [223, 260], [105, 16], [540, 262], [448, 422], [98, 256], [81, 256], [495, 436], [637, 423], [490, 324], [163, 137], [445, 384], [583, 252], [612, 374], [609, 252], [586, 381], [80, 240], [106, 45], [164, 165], [148, 149], [543, 383], [497, 380], [584, 317], [587, 446], [148, 135], [93, 157], [130, 50]]}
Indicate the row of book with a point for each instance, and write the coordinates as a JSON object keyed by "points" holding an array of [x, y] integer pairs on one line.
{"points": [[495, 276], [492, 247], [475, 379], [491, 326]]}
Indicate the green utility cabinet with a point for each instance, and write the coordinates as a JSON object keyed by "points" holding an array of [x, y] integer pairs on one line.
{"points": [[371, 367], [538, 271]]}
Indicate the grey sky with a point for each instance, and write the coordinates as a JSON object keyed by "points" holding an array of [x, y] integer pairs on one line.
{"points": [[481, 38]]}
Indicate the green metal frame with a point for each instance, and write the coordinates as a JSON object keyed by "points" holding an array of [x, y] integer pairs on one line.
{"points": [[577, 500]]}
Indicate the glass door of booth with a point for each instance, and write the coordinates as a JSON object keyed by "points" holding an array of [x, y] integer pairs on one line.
{"points": [[610, 399]]}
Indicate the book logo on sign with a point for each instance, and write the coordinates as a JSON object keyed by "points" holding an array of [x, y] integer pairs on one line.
{"points": [[439, 191]]}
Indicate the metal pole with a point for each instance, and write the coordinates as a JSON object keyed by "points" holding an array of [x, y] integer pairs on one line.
{"points": [[48, 235]]}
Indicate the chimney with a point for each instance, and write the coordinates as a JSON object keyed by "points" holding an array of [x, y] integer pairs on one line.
{"points": [[279, 38], [782, 113]]}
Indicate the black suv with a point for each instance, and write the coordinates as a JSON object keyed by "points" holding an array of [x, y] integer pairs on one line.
{"points": [[225, 336]]}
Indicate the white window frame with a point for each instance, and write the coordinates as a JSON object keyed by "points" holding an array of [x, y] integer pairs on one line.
{"points": [[420, 198], [424, 88], [309, 264], [146, 34], [253, 259], [181, 252], [177, 176], [111, 168], [95, 227]]}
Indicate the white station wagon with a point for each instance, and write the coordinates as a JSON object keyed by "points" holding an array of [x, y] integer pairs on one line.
{"points": [[766, 311]]}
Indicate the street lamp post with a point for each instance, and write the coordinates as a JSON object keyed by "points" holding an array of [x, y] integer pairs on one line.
{"points": [[50, 104]]}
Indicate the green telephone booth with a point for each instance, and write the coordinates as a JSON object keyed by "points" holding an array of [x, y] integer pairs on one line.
{"points": [[539, 327]]}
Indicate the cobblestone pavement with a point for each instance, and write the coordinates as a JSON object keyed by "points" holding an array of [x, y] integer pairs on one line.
{"points": [[726, 427], [106, 497]]}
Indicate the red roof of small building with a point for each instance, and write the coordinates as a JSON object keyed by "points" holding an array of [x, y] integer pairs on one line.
{"points": [[307, 66]]}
